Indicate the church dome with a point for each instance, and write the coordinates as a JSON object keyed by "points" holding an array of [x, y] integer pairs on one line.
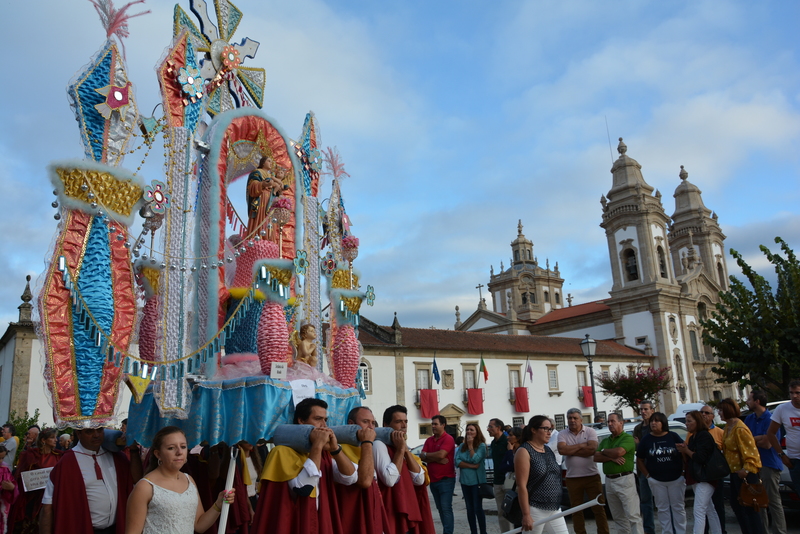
{"points": [[688, 197]]}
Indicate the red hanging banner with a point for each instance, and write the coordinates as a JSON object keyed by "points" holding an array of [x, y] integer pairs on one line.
{"points": [[475, 401], [428, 403], [521, 400], [587, 396]]}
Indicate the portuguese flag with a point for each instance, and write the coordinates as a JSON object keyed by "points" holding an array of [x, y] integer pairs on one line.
{"points": [[484, 370]]}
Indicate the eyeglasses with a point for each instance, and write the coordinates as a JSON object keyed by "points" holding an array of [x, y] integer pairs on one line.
{"points": [[546, 428]]}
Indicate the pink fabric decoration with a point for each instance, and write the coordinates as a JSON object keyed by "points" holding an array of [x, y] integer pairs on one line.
{"points": [[239, 365], [148, 328], [283, 202], [115, 21], [273, 336], [345, 356], [301, 370], [244, 263]]}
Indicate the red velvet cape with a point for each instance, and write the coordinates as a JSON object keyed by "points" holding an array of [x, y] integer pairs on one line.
{"points": [[400, 502], [71, 507], [361, 509], [279, 512]]}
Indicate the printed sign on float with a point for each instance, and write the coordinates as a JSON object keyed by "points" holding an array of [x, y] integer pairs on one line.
{"points": [[303, 389], [278, 371], [36, 479]]}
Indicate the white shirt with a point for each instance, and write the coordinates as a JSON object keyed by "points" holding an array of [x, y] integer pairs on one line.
{"points": [[101, 494], [553, 444], [789, 416], [385, 470], [251, 468], [310, 475], [11, 448]]}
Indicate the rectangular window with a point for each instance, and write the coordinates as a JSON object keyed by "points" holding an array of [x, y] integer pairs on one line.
{"points": [[469, 373], [425, 430], [605, 371], [695, 348], [518, 421], [581, 376], [422, 373], [561, 421], [469, 378], [552, 377], [513, 378]]}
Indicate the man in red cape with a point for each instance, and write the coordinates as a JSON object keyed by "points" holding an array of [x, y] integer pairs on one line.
{"points": [[406, 500], [299, 489], [88, 489], [360, 505]]}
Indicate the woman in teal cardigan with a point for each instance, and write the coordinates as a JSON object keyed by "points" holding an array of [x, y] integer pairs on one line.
{"points": [[470, 459]]}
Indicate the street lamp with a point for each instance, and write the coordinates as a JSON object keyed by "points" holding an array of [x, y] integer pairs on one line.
{"points": [[589, 348]]}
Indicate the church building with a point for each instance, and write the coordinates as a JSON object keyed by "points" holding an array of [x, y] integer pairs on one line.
{"points": [[667, 274]]}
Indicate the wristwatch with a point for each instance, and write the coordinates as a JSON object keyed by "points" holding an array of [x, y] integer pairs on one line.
{"points": [[337, 451]]}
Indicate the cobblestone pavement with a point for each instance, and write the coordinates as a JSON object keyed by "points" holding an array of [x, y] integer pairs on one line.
{"points": [[492, 526]]}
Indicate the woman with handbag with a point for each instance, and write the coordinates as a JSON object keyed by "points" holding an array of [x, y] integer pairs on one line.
{"points": [[742, 455], [470, 459], [698, 452], [660, 461], [538, 478]]}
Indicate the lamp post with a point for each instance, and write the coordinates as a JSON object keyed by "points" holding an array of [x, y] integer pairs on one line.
{"points": [[589, 348]]}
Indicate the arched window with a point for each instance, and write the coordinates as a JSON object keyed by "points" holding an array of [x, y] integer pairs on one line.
{"points": [[365, 376], [529, 254], [721, 276], [662, 263], [558, 298], [631, 267], [546, 296], [516, 255]]}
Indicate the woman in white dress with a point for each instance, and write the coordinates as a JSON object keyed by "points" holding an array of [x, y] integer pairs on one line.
{"points": [[166, 500]]}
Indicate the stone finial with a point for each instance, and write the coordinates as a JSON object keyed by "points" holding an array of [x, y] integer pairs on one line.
{"points": [[398, 335], [458, 318], [658, 194], [569, 299], [547, 262], [683, 174], [26, 308], [482, 304], [501, 266], [604, 202], [622, 148], [491, 270], [519, 227]]}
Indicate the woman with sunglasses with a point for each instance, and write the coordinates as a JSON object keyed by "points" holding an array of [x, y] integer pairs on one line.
{"points": [[538, 478]]}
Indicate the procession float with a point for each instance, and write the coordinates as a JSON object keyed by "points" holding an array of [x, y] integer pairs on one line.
{"points": [[218, 319]]}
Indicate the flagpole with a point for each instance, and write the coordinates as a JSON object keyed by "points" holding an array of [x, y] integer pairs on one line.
{"points": [[525, 372]]}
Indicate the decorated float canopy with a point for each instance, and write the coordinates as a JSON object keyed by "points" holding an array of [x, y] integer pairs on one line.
{"points": [[209, 314]]}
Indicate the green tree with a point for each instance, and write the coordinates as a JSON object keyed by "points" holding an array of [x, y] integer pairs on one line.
{"points": [[630, 389], [754, 331]]}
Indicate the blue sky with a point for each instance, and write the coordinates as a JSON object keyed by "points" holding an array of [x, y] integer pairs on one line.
{"points": [[455, 120]]}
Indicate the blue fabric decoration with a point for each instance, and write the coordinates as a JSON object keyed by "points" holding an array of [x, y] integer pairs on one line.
{"points": [[85, 96], [94, 284], [307, 150], [243, 339], [232, 410], [191, 114]]}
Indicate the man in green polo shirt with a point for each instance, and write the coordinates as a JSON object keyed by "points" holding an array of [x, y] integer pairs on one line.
{"points": [[616, 454]]}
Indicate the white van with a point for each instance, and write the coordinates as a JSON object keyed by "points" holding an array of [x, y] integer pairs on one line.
{"points": [[683, 409]]}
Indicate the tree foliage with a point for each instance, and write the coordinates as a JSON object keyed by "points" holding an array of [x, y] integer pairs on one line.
{"points": [[630, 389], [754, 331]]}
